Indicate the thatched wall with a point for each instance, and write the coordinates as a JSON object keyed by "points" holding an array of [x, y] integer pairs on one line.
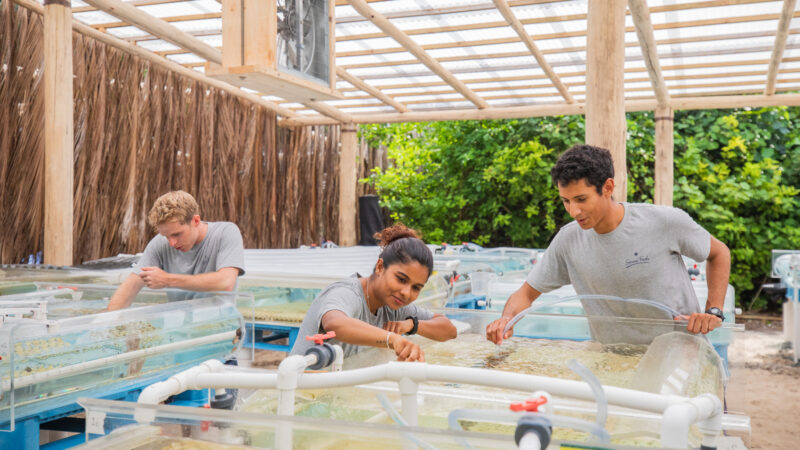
{"points": [[141, 131]]}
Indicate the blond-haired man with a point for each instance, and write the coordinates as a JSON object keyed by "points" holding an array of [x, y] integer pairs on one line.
{"points": [[187, 253]]}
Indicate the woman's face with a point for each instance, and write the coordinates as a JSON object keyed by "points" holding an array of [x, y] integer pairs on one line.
{"points": [[399, 284]]}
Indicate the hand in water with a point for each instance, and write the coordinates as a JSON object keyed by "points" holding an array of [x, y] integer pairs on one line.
{"points": [[494, 331], [405, 349]]}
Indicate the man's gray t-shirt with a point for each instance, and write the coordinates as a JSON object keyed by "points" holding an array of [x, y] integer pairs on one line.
{"points": [[641, 258], [221, 247], [347, 296]]}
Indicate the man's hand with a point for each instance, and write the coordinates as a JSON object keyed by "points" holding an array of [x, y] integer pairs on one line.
{"points": [[154, 277], [400, 327], [494, 331], [701, 322], [405, 349]]}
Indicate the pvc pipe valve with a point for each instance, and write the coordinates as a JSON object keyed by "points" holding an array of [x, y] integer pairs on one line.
{"points": [[320, 338], [531, 405]]}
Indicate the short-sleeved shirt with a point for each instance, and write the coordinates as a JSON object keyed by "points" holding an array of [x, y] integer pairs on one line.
{"points": [[221, 247], [641, 258], [347, 296]]}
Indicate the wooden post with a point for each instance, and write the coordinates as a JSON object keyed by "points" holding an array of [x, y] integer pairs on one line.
{"points": [[58, 140], [664, 156], [347, 186], [605, 77]]}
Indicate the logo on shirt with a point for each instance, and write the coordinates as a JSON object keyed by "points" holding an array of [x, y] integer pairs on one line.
{"points": [[636, 260]]}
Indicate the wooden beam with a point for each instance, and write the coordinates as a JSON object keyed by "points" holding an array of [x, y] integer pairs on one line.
{"points": [[415, 49], [567, 34], [562, 51], [348, 203], [170, 19], [132, 2], [330, 111], [514, 22], [373, 91], [158, 27], [664, 178], [529, 21], [780, 44], [605, 85], [163, 62], [647, 42], [58, 135], [557, 109]]}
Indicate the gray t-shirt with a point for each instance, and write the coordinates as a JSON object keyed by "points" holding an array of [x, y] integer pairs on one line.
{"points": [[641, 258], [347, 296], [221, 247]]}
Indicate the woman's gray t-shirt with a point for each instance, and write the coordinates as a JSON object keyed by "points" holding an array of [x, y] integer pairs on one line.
{"points": [[641, 258], [347, 296]]}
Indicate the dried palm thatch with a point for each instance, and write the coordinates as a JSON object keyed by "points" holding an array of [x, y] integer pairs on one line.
{"points": [[141, 131]]}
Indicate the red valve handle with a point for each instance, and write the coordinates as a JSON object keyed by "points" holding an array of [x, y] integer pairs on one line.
{"points": [[320, 338], [531, 405]]}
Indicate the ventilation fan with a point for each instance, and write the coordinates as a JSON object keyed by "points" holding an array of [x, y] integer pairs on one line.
{"points": [[279, 47]]}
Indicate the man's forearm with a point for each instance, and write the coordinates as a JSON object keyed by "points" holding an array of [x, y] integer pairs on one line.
{"points": [[203, 282], [125, 293], [718, 271], [521, 299]]}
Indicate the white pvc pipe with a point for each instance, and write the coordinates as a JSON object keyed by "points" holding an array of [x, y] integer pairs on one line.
{"points": [[530, 441], [288, 372], [88, 365], [678, 412], [677, 419], [182, 381], [408, 400]]}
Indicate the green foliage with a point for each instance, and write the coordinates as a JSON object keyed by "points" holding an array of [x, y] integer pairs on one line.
{"points": [[737, 172]]}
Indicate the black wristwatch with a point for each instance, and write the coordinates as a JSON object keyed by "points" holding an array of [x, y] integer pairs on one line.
{"points": [[716, 312], [414, 328]]}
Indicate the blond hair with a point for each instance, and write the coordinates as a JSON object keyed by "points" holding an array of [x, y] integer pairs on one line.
{"points": [[175, 205]]}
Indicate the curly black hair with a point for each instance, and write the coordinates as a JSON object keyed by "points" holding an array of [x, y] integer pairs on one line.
{"points": [[583, 161]]}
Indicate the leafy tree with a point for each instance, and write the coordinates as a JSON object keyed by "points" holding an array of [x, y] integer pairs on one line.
{"points": [[737, 172]]}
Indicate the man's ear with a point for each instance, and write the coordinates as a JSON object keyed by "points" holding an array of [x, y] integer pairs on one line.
{"points": [[196, 220], [608, 188]]}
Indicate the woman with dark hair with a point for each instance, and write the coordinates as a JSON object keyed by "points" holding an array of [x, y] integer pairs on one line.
{"points": [[376, 311]]}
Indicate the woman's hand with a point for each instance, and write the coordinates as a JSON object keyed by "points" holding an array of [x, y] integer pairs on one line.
{"points": [[405, 349], [399, 327]]}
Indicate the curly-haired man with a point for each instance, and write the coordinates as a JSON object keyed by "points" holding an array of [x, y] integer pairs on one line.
{"points": [[187, 253]]}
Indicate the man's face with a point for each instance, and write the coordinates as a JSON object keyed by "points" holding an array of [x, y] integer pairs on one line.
{"points": [[181, 236], [583, 202]]}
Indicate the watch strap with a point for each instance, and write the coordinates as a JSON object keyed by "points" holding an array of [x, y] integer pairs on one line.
{"points": [[716, 312], [415, 327]]}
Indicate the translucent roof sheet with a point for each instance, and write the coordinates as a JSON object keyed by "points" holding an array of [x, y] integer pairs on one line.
{"points": [[717, 47]]}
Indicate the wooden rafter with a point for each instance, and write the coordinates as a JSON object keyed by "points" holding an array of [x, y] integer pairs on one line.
{"points": [[415, 49], [514, 22], [373, 91], [677, 102], [569, 63], [647, 41], [500, 55], [156, 26], [780, 44], [547, 19], [568, 34], [162, 62]]}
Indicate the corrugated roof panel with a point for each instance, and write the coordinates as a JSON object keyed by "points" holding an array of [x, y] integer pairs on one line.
{"points": [[182, 8]]}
